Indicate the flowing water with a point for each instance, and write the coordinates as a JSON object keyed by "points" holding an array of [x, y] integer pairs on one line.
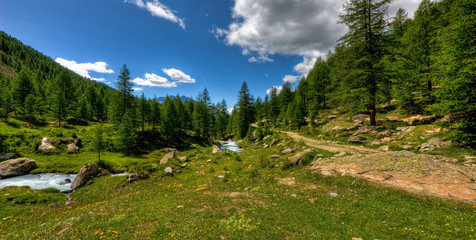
{"points": [[232, 146], [61, 182]]}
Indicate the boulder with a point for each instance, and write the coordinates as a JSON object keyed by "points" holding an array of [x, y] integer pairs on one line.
{"points": [[289, 150], [275, 156], [132, 177], [216, 149], [7, 156], [384, 148], [46, 146], [296, 159], [16, 167], [433, 144], [361, 118], [332, 116], [383, 134], [88, 172], [358, 139], [166, 157], [183, 159], [72, 148], [419, 120], [273, 142], [168, 171]]}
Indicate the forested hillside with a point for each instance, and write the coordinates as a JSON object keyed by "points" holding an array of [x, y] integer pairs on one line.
{"points": [[425, 65]]}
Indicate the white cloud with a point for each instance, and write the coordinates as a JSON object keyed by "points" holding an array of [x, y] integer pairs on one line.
{"points": [[307, 28], [260, 59], [278, 89], [153, 80], [305, 66], [83, 69], [290, 78], [229, 110], [178, 75], [158, 9], [137, 89]]}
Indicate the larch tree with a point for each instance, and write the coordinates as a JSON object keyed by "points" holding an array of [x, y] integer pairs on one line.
{"points": [[366, 43]]}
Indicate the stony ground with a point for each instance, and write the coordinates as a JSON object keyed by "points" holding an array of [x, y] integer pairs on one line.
{"points": [[420, 173]]}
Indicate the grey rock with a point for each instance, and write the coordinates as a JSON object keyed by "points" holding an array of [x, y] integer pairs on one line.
{"points": [[88, 172], [7, 156], [332, 116], [209, 161], [132, 177], [433, 144], [275, 156], [183, 159], [165, 159], [168, 171], [183, 165], [384, 134], [358, 139], [361, 117], [46, 146], [326, 173], [16, 167]]}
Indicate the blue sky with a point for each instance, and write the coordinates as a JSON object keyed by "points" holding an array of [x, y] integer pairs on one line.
{"points": [[182, 46]]}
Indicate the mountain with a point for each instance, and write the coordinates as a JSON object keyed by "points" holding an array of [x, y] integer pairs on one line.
{"points": [[183, 98]]}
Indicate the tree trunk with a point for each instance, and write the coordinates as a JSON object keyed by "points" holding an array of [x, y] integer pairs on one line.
{"points": [[372, 112]]}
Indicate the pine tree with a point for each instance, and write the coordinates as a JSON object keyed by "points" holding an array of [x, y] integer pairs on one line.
{"points": [[62, 96], [127, 135], [457, 62], [125, 99], [366, 44], [169, 119], [22, 87], [155, 113], [144, 111], [98, 141], [245, 110], [201, 115]]}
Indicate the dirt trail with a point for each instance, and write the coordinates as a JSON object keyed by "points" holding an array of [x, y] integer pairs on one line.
{"points": [[419, 173]]}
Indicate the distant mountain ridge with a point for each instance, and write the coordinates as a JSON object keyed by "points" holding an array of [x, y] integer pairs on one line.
{"points": [[183, 98]]}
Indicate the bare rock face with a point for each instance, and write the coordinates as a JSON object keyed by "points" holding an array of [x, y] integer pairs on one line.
{"points": [[16, 167], [88, 172], [168, 156], [46, 146], [216, 149]]}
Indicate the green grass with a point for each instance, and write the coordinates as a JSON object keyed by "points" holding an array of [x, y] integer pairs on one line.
{"points": [[236, 196]]}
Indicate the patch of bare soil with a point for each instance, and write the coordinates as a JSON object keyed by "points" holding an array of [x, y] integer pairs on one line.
{"points": [[420, 173]]}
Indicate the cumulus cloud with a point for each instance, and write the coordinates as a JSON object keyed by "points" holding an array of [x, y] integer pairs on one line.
{"points": [[158, 9], [178, 75], [290, 78], [307, 28], [153, 80], [83, 69], [278, 89], [137, 89]]}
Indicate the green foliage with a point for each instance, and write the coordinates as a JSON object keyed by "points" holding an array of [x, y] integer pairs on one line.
{"points": [[127, 135]]}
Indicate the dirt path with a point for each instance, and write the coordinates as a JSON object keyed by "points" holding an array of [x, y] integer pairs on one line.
{"points": [[419, 173]]}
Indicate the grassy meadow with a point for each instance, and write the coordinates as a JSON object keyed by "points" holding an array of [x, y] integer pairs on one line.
{"points": [[244, 195]]}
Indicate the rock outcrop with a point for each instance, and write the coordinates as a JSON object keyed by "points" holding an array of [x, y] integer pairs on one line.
{"points": [[360, 118], [171, 153], [16, 167], [433, 144], [46, 146], [88, 172]]}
